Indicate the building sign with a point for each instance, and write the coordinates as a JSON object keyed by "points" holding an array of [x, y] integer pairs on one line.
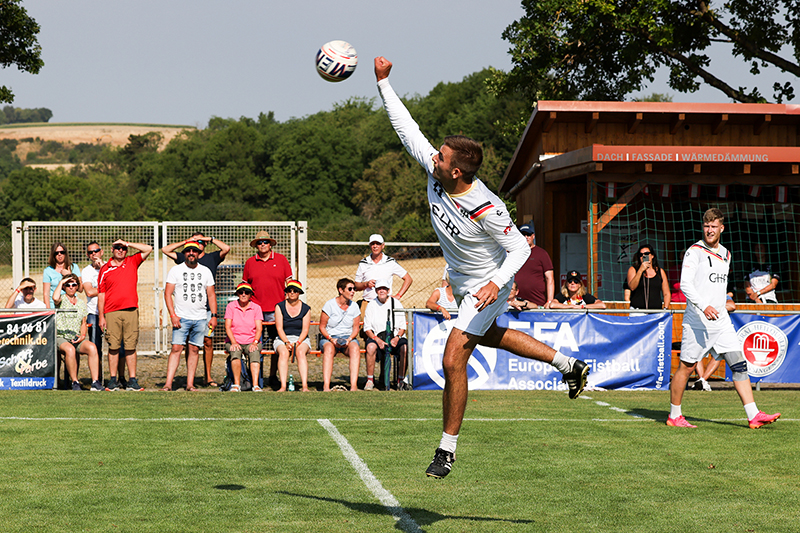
{"points": [[695, 154]]}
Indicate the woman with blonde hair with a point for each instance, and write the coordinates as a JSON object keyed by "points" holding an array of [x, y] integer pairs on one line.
{"points": [[573, 295]]}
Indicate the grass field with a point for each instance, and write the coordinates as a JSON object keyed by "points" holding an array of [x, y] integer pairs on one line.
{"points": [[343, 462]]}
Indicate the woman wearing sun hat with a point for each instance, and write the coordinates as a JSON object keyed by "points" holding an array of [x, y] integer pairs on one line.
{"points": [[293, 321]]}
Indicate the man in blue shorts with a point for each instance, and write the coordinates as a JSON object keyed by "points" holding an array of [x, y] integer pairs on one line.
{"points": [[483, 249]]}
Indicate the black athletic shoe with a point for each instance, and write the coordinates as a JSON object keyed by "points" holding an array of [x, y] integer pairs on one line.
{"points": [[441, 464], [112, 384], [133, 385], [576, 378]]}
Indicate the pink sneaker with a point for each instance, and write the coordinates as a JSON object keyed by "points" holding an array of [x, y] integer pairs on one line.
{"points": [[679, 422], [762, 419]]}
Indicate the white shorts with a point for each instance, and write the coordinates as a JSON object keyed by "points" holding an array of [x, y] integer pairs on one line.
{"points": [[469, 319], [292, 338], [697, 342]]}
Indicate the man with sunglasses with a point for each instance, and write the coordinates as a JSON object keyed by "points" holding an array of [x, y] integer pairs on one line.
{"points": [[118, 307], [188, 290], [268, 272], [483, 249], [211, 261], [23, 296]]}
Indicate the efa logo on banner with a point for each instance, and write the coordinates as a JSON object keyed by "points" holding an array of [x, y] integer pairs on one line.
{"points": [[764, 346], [481, 365]]}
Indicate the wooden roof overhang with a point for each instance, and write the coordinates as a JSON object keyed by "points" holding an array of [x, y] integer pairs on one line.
{"points": [[678, 164], [633, 117]]}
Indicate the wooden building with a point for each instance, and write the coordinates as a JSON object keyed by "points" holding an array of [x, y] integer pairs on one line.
{"points": [[581, 166]]}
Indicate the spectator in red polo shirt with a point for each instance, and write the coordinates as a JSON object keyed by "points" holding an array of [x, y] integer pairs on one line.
{"points": [[267, 272], [118, 307]]}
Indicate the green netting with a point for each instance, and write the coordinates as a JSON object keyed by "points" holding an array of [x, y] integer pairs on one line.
{"points": [[755, 223]]}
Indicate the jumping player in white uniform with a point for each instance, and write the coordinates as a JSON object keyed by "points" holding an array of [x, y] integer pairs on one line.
{"points": [[707, 327], [483, 249]]}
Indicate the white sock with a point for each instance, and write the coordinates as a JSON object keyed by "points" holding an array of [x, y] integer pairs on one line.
{"points": [[674, 411], [448, 442], [370, 378], [751, 410], [562, 362]]}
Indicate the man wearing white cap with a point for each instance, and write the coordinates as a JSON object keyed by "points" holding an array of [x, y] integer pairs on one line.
{"points": [[376, 266], [375, 319]]}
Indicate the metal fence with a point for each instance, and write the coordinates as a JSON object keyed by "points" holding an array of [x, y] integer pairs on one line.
{"points": [[317, 264], [31, 243]]}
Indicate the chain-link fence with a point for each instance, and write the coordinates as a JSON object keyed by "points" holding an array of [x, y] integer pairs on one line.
{"points": [[317, 264], [32, 242]]}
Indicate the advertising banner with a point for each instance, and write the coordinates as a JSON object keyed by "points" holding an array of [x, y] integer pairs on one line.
{"points": [[770, 345], [622, 352], [28, 351]]}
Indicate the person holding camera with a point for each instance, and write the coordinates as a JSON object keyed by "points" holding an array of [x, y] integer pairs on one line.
{"points": [[647, 281]]}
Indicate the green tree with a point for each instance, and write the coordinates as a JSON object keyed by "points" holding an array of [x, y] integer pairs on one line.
{"points": [[18, 43], [607, 49]]}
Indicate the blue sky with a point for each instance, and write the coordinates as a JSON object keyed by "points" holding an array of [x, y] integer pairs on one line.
{"points": [[182, 62]]}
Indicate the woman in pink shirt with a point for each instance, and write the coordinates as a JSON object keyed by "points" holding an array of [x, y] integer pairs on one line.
{"points": [[243, 325]]}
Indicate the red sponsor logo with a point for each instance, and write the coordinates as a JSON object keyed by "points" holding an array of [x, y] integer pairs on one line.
{"points": [[760, 348]]}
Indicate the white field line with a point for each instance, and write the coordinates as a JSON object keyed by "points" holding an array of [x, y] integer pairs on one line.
{"points": [[404, 521], [633, 418]]}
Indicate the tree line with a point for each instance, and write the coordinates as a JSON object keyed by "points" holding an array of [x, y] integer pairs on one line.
{"points": [[343, 170]]}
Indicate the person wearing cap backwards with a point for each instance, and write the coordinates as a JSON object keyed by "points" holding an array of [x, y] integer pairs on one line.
{"points": [[267, 272], [293, 321], [118, 307], [188, 287], [375, 266], [375, 329], [211, 261], [243, 326], [535, 282], [483, 249], [573, 295]]}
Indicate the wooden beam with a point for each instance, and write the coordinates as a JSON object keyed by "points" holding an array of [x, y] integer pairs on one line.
{"points": [[592, 122], [572, 172], [761, 124], [795, 169], [677, 122], [746, 168], [648, 167], [634, 123], [721, 124], [696, 168], [549, 121], [614, 210]]}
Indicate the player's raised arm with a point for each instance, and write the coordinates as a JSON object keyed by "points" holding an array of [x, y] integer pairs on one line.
{"points": [[382, 68]]}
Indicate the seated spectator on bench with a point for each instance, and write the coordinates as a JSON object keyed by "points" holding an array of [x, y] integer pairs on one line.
{"points": [[293, 321], [71, 331], [243, 327], [375, 328], [338, 328]]}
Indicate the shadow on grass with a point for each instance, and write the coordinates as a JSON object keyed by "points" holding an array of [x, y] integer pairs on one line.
{"points": [[422, 517], [229, 487], [660, 417]]}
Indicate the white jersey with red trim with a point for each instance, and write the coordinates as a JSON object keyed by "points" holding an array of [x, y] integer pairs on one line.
{"points": [[704, 281], [475, 231]]}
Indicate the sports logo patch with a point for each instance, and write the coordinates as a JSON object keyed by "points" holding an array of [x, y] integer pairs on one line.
{"points": [[764, 346], [481, 363]]}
